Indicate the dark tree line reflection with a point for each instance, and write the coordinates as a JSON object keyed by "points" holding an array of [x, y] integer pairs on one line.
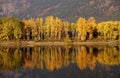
{"points": [[56, 57]]}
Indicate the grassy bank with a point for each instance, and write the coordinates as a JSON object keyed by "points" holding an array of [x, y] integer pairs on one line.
{"points": [[37, 43]]}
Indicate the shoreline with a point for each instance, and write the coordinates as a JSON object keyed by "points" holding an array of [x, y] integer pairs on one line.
{"points": [[38, 43]]}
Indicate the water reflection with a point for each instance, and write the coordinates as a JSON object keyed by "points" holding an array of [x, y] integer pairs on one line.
{"points": [[56, 57]]}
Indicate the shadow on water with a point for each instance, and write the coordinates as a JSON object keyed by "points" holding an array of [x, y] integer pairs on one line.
{"points": [[60, 62]]}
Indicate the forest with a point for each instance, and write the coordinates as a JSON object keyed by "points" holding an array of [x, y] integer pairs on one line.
{"points": [[55, 29]]}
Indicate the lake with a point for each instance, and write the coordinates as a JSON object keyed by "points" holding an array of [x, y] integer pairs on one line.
{"points": [[60, 61]]}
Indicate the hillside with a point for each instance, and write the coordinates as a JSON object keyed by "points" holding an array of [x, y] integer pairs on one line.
{"points": [[102, 10]]}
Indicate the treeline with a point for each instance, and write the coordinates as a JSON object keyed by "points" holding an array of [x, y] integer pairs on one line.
{"points": [[55, 29], [55, 57]]}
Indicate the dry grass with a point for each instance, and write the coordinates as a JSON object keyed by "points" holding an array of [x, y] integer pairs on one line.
{"points": [[34, 43]]}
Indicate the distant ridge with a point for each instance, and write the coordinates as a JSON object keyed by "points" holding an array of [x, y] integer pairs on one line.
{"points": [[102, 10]]}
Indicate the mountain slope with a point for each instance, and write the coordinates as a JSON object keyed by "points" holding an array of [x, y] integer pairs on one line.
{"points": [[66, 9]]}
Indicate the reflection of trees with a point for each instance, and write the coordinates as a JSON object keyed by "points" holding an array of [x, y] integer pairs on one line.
{"points": [[109, 56], [10, 58], [85, 58], [55, 57]]}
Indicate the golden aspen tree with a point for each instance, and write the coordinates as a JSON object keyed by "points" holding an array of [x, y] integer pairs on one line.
{"points": [[91, 27], [27, 28], [73, 31], [58, 28], [108, 30], [67, 27], [81, 28], [39, 24], [18, 29], [118, 29], [33, 27], [113, 30], [49, 22], [11, 29]]}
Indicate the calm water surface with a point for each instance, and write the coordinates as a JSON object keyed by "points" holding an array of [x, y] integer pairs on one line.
{"points": [[60, 62]]}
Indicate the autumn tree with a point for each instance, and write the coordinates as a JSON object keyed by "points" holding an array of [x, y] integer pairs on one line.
{"points": [[91, 28], [11, 29], [108, 30], [39, 29], [81, 28]]}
